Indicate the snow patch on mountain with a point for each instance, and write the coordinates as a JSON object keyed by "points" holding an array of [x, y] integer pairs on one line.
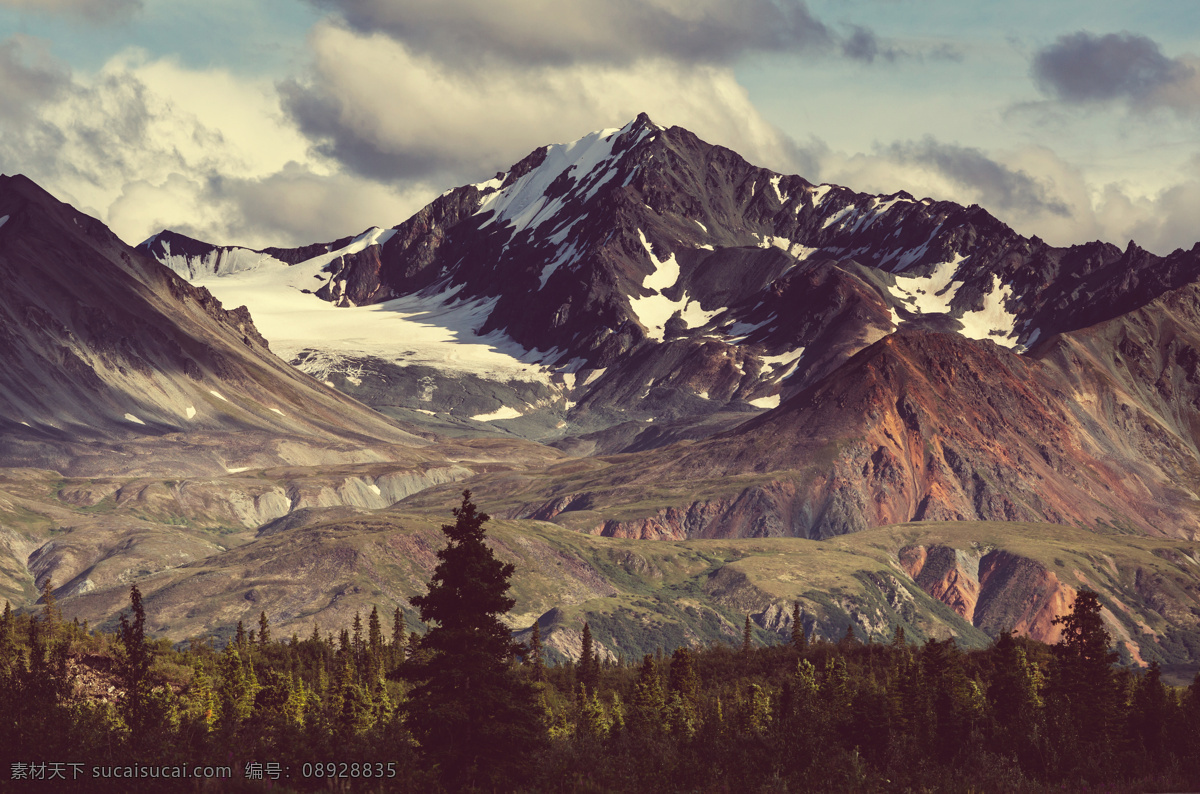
{"points": [[993, 321], [775, 184], [3, 220], [501, 413], [653, 311], [695, 316], [783, 364], [930, 294], [433, 328]]}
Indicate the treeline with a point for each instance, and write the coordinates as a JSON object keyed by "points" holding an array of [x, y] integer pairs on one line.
{"points": [[463, 708]]}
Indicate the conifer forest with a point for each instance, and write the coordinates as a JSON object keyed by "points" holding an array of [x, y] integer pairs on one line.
{"points": [[458, 706]]}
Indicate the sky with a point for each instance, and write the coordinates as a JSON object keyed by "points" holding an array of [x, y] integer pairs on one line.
{"points": [[285, 122]]}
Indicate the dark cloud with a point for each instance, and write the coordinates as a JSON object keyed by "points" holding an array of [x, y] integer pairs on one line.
{"points": [[101, 11], [863, 45], [29, 79], [322, 116], [999, 186], [532, 32], [1083, 67]]}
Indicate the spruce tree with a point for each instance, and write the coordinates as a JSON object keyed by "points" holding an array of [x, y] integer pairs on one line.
{"points": [[399, 637], [372, 666], [746, 637], [685, 692], [359, 646], [535, 654], [470, 712], [589, 662], [135, 670], [1013, 698], [374, 631], [51, 611], [647, 713], [799, 640], [848, 639], [1083, 688], [264, 629], [8, 639]]}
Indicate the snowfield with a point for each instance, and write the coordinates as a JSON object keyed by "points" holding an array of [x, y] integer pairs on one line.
{"points": [[433, 329]]}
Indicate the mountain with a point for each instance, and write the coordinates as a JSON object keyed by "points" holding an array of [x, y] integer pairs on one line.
{"points": [[670, 291], [962, 426], [659, 279], [108, 357]]}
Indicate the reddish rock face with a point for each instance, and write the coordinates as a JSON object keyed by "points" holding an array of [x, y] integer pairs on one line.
{"points": [[931, 426], [999, 591], [941, 573]]}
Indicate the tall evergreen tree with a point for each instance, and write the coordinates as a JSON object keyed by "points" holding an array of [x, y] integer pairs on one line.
{"points": [[399, 637], [1014, 700], [747, 637], [359, 646], [51, 611], [1083, 688], [685, 692], [648, 711], [470, 712], [264, 629], [135, 670], [535, 653], [799, 640], [589, 662], [235, 692], [8, 638], [374, 632]]}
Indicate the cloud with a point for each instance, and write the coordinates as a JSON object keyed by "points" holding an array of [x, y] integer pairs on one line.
{"points": [[1031, 188], [998, 185], [294, 206], [1084, 68], [537, 32], [388, 113], [145, 144], [29, 78], [863, 45], [102, 11]]}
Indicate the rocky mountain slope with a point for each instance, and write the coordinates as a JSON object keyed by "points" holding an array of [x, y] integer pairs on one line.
{"points": [[220, 557], [111, 363]]}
